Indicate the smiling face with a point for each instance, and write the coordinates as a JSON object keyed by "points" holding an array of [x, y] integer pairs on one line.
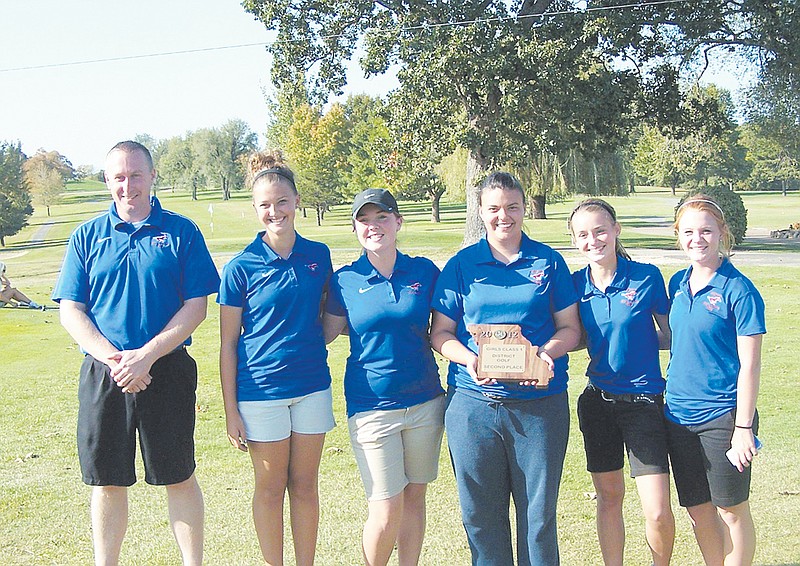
{"points": [[129, 178], [595, 235], [700, 235], [377, 229], [502, 212], [276, 205]]}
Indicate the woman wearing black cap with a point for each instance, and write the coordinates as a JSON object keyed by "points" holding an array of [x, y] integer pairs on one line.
{"points": [[395, 402]]}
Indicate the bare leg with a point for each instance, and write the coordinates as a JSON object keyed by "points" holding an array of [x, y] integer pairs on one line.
{"points": [[381, 529], [659, 521], [610, 488], [305, 453], [186, 514], [412, 527], [109, 522], [271, 467], [19, 296], [740, 539], [709, 533]]}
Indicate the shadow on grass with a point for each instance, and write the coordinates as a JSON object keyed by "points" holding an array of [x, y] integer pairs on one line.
{"points": [[41, 244]]}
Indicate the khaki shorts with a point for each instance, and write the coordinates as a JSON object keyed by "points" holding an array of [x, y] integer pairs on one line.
{"points": [[397, 447]]}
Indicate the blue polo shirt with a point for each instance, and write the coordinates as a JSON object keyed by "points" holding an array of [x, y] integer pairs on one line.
{"points": [[391, 364], [281, 352], [704, 359], [475, 288], [620, 331], [134, 279]]}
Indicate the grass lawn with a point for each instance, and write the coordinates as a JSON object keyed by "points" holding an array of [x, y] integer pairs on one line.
{"points": [[44, 516]]}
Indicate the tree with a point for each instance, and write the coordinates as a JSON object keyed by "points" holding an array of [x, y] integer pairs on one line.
{"points": [[179, 165], [222, 152], [773, 133], [15, 198], [46, 173], [318, 149], [508, 84]]}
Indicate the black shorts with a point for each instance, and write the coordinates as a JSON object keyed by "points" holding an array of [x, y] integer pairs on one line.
{"points": [[164, 415], [702, 471], [611, 427]]}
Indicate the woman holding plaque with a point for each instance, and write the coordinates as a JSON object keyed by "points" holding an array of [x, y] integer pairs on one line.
{"points": [[506, 439], [622, 407], [395, 403], [717, 321], [276, 385]]}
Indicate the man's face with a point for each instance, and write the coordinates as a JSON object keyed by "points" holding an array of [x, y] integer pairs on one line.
{"points": [[129, 178]]}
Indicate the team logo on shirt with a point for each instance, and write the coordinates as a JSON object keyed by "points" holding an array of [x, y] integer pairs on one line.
{"points": [[536, 275], [312, 267], [160, 241], [628, 297], [712, 301], [414, 288]]}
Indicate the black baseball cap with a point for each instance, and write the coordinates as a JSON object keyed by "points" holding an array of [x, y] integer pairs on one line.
{"points": [[381, 198]]}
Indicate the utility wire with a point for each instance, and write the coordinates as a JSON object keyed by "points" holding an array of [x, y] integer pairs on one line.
{"points": [[395, 30]]}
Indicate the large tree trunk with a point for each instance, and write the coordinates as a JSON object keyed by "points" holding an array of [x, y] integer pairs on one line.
{"points": [[477, 166], [538, 207]]}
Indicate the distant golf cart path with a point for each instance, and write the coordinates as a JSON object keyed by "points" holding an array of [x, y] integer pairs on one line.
{"points": [[37, 238]]}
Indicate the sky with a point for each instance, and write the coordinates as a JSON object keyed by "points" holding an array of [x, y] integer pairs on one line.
{"points": [[83, 110]]}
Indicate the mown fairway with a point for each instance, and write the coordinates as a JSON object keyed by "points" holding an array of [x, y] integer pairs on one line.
{"points": [[44, 515]]}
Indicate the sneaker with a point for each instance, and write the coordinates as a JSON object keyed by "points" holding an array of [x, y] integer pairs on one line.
{"points": [[34, 305]]}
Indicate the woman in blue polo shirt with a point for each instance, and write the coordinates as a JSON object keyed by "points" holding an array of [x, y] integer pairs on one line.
{"points": [[273, 361], [622, 406], [506, 439], [395, 403], [717, 321]]}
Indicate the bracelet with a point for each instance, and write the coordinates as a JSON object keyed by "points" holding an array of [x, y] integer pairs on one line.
{"points": [[744, 427]]}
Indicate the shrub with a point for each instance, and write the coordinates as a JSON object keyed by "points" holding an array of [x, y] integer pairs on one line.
{"points": [[731, 204]]}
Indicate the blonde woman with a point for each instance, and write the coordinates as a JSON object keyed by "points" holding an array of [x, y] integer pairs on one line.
{"points": [[717, 322]]}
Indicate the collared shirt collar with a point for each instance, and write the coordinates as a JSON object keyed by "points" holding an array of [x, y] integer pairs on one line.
{"points": [[526, 250], [718, 280], [269, 254], [155, 218], [402, 264]]}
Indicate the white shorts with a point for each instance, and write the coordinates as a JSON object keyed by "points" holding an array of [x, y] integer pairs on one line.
{"points": [[397, 447], [277, 419]]}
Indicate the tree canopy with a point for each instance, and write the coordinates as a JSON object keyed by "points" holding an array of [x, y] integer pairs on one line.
{"points": [[15, 198]]}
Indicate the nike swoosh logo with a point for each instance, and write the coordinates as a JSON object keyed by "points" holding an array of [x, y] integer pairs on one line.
{"points": [[362, 290], [480, 279], [103, 239], [586, 299]]}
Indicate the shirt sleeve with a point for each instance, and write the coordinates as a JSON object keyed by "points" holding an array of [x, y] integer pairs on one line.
{"points": [[200, 276], [564, 293], [660, 299], [334, 304], [233, 286], [73, 282], [749, 312], [447, 298]]}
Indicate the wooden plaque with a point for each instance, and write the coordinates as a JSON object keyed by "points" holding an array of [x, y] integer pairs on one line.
{"points": [[505, 354]]}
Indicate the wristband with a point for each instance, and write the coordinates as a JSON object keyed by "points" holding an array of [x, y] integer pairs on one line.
{"points": [[744, 427]]}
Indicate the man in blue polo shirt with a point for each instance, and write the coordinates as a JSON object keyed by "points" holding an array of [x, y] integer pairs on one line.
{"points": [[133, 287]]}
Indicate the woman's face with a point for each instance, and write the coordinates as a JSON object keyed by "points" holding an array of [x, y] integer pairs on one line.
{"points": [[276, 204], [699, 235], [502, 212], [377, 229], [595, 235]]}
